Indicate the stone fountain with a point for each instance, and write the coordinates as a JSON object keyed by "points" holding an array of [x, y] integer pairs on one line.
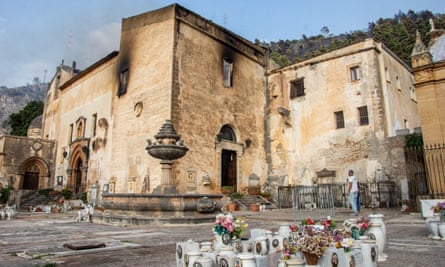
{"points": [[165, 201], [167, 147]]}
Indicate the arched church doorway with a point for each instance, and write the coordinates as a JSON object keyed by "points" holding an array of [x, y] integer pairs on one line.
{"points": [[228, 154], [31, 180], [78, 176], [33, 172], [228, 168], [78, 167]]}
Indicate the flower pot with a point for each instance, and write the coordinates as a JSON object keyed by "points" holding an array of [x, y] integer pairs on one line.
{"points": [[226, 190], [254, 190], [255, 207], [311, 259], [231, 207]]}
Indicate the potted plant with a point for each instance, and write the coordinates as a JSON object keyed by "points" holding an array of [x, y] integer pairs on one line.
{"points": [[227, 189], [254, 190], [232, 205]]}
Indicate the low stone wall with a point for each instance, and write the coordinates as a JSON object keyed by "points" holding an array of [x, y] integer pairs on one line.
{"points": [[156, 202]]}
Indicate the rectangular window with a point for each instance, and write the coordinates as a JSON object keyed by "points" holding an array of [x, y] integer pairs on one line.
{"points": [[363, 115], [93, 126], [228, 72], [70, 136], [296, 88], [123, 82], [355, 73], [339, 119]]}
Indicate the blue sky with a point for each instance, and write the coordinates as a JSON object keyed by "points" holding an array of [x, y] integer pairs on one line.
{"points": [[35, 35]]}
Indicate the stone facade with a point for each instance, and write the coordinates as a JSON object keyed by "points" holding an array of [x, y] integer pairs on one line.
{"points": [[322, 126], [429, 75], [172, 63], [233, 110], [26, 163]]}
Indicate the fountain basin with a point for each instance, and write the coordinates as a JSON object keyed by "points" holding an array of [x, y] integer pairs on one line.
{"points": [[156, 202], [167, 151]]}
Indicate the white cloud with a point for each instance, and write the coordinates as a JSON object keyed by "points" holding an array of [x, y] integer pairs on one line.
{"points": [[26, 72], [101, 41]]}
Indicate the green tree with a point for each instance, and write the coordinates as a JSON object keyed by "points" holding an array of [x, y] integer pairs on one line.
{"points": [[20, 121]]}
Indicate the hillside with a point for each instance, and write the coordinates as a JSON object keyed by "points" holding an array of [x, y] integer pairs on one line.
{"points": [[13, 100], [397, 33]]}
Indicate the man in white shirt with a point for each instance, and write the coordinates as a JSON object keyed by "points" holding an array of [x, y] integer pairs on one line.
{"points": [[353, 191]]}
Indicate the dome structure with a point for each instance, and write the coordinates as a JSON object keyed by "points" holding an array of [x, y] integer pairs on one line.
{"points": [[35, 127]]}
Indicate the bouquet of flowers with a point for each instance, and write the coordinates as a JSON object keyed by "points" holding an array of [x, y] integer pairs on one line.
{"points": [[328, 223], [227, 224], [439, 207], [314, 242], [307, 221], [360, 227]]}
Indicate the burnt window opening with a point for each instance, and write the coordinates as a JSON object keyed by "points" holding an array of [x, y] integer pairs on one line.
{"points": [[123, 82], [355, 73], [339, 119], [228, 72], [363, 115], [296, 88]]}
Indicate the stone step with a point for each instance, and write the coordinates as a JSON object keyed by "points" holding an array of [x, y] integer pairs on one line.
{"points": [[246, 200]]}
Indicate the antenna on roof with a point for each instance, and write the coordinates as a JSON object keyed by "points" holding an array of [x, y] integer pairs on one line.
{"points": [[68, 44], [225, 20]]}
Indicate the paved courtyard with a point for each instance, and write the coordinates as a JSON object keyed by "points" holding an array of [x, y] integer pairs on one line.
{"points": [[38, 239]]}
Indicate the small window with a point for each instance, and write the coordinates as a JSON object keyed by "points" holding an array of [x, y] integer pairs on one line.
{"points": [[398, 83], [363, 115], [93, 126], [412, 91], [228, 72], [339, 119], [296, 88], [70, 137], [123, 82], [355, 73]]}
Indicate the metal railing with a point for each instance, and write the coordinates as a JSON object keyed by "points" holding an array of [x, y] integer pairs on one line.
{"points": [[425, 172], [326, 197]]}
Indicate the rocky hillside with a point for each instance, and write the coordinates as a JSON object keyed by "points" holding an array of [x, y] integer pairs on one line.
{"points": [[13, 100]]}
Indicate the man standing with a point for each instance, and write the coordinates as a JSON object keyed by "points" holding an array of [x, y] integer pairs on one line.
{"points": [[353, 191]]}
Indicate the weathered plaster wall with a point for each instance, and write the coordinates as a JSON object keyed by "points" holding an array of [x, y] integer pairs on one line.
{"points": [[304, 138], [146, 49], [202, 104]]}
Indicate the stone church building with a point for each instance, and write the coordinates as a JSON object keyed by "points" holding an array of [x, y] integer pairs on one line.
{"points": [[245, 121]]}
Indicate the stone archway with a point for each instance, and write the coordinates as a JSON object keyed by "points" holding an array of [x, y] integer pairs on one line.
{"points": [[228, 157], [78, 167], [34, 173]]}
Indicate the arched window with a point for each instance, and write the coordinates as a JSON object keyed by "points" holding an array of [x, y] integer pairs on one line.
{"points": [[227, 133]]}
